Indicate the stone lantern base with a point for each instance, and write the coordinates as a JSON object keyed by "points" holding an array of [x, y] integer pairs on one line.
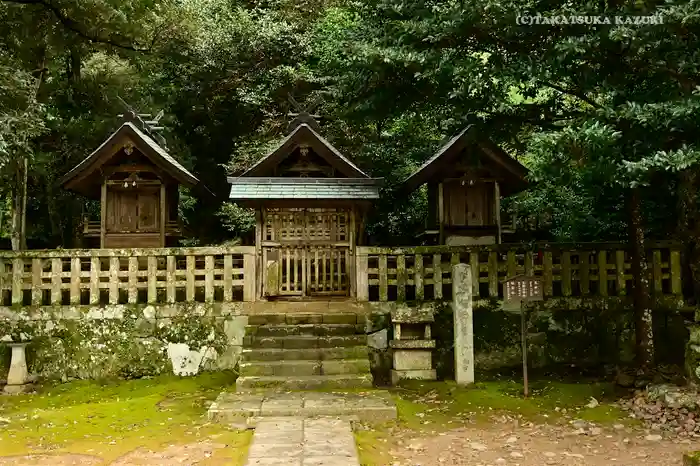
{"points": [[18, 377]]}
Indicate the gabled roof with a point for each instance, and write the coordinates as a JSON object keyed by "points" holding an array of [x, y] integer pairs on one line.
{"points": [[304, 134], [259, 188], [75, 178], [513, 170]]}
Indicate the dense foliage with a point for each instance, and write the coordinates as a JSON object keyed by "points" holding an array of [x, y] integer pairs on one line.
{"points": [[605, 116]]}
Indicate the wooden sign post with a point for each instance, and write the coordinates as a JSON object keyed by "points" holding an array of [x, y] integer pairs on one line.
{"points": [[517, 291]]}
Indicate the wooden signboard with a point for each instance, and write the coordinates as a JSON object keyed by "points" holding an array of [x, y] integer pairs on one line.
{"points": [[518, 290]]}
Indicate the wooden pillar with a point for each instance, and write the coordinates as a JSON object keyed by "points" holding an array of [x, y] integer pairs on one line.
{"points": [[497, 203], [103, 213], [261, 259], [441, 212], [163, 215], [352, 276]]}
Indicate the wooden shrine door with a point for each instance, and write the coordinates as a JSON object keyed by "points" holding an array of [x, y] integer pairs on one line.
{"points": [[307, 252]]}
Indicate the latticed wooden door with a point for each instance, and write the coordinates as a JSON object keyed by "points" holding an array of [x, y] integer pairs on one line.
{"points": [[306, 252]]}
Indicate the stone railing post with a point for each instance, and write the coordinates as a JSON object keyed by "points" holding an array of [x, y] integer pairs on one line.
{"points": [[462, 311]]}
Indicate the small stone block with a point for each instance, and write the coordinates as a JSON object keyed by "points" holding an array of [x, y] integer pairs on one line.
{"points": [[256, 369], [340, 319], [340, 366], [412, 344], [267, 319], [407, 315], [352, 352], [342, 341], [336, 329], [406, 360], [300, 342], [299, 319], [397, 376], [276, 449], [266, 342], [330, 461]]}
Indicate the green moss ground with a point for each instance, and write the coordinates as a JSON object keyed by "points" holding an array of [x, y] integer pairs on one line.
{"points": [[439, 406], [113, 418]]}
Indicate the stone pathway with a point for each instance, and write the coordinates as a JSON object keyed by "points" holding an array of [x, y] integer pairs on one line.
{"points": [[295, 441]]}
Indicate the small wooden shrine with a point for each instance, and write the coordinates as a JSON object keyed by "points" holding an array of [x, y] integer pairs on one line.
{"points": [[137, 183], [310, 203], [466, 179]]}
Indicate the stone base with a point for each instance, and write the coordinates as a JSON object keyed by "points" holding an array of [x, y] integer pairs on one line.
{"points": [[17, 389], [248, 408], [413, 360], [397, 376]]}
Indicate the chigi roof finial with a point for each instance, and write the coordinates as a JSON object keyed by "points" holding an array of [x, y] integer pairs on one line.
{"points": [[146, 122], [304, 114]]}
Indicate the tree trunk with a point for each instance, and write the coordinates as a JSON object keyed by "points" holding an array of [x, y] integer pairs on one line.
{"points": [[640, 272], [21, 178], [19, 206]]}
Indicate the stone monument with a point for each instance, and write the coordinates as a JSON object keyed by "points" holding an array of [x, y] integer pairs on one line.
{"points": [[412, 346]]}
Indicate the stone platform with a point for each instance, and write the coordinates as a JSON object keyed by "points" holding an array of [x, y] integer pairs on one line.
{"points": [[249, 409]]}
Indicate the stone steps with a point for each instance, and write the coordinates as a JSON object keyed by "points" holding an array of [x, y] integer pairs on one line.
{"points": [[304, 341], [319, 330], [247, 409], [316, 354], [305, 367], [307, 382], [304, 351]]}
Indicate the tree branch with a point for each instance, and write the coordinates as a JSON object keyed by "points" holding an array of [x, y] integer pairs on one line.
{"points": [[571, 93], [72, 25]]}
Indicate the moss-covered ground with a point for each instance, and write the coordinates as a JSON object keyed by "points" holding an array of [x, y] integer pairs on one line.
{"points": [[440, 406], [110, 419]]}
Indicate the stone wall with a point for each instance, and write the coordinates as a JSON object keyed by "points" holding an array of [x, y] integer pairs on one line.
{"points": [[584, 337], [125, 341]]}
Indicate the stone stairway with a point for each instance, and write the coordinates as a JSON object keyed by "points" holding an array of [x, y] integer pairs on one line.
{"points": [[304, 352]]}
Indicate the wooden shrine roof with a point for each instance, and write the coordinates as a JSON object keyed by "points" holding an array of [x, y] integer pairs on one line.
{"points": [[263, 188], [304, 134], [79, 178], [513, 172]]}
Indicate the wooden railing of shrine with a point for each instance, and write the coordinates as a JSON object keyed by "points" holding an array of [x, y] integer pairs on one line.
{"points": [[566, 270], [127, 276], [381, 274]]}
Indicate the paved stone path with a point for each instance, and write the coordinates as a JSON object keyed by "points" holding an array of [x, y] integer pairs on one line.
{"points": [[295, 441], [251, 408]]}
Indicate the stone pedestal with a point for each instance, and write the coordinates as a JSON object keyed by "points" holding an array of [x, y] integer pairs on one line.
{"points": [[412, 346], [18, 377]]}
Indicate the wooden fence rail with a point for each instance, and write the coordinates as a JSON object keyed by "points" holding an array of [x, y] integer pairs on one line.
{"points": [[424, 273], [127, 276]]}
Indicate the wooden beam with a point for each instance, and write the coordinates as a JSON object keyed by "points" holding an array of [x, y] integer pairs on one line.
{"points": [[497, 199], [441, 212], [352, 276], [103, 214], [163, 216]]}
